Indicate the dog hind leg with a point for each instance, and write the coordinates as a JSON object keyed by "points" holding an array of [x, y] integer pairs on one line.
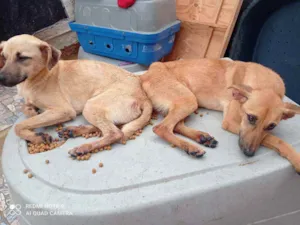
{"points": [[180, 102], [130, 128]]}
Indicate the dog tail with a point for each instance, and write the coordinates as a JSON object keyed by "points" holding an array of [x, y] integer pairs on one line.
{"points": [[130, 128]]}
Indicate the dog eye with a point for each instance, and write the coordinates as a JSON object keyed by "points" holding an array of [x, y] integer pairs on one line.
{"points": [[252, 119], [271, 126], [22, 58]]}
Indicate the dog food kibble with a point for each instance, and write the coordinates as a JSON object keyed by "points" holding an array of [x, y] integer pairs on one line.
{"points": [[95, 134], [25, 171], [47, 161], [84, 157], [201, 115], [94, 171], [173, 146], [38, 148], [196, 112], [30, 175], [59, 127], [100, 164]]}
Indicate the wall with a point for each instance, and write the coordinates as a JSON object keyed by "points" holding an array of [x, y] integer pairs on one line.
{"points": [[60, 34], [47, 19]]}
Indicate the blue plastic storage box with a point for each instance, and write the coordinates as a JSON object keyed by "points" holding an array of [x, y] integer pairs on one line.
{"points": [[143, 47]]}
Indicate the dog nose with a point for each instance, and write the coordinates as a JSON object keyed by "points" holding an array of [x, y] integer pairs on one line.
{"points": [[249, 152], [2, 78]]}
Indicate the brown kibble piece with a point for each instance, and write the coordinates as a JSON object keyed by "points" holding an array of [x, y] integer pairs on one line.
{"points": [[47, 161], [94, 171], [201, 115], [30, 176], [25, 171], [173, 146], [100, 164]]}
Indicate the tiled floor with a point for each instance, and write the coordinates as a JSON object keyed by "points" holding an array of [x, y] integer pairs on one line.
{"points": [[7, 215], [10, 105]]}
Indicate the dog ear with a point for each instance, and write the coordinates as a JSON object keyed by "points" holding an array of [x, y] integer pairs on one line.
{"points": [[290, 110], [2, 60], [50, 54], [241, 92]]}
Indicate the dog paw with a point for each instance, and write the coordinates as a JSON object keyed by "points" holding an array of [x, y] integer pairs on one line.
{"points": [[44, 138], [81, 150], [196, 153], [67, 132], [208, 141]]}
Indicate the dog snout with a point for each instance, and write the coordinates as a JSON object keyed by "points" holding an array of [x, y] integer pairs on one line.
{"points": [[10, 80], [249, 150]]}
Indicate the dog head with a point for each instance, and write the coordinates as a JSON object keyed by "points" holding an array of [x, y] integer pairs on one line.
{"points": [[23, 57], [262, 110]]}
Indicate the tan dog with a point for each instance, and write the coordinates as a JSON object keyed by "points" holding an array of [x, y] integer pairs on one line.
{"points": [[105, 94], [249, 94]]}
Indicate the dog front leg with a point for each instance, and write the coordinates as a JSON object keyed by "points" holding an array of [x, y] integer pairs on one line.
{"points": [[47, 118], [284, 149]]}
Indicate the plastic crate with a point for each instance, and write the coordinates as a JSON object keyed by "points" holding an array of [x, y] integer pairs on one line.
{"points": [[143, 48], [143, 16], [129, 66]]}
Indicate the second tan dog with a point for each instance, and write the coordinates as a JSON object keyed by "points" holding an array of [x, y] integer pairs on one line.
{"points": [[105, 94], [249, 94]]}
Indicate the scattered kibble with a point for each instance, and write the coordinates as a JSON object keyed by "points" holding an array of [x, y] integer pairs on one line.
{"points": [[201, 115], [100, 164], [47, 161], [95, 134], [25, 171], [84, 157], [59, 127], [38, 148], [94, 171], [30, 175]]}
